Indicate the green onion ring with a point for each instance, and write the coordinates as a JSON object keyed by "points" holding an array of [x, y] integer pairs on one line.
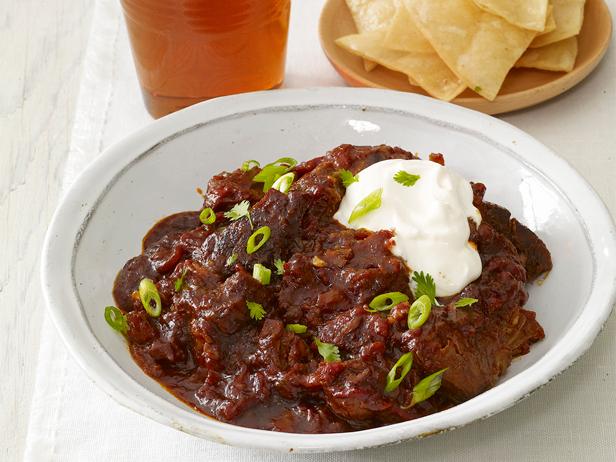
{"points": [[207, 216], [268, 175], [289, 162], [419, 312], [386, 302], [263, 234], [148, 293], [116, 319], [271, 172], [248, 164], [405, 362], [283, 184], [261, 273]]}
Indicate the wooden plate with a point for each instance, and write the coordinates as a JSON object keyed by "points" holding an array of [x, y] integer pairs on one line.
{"points": [[522, 87]]}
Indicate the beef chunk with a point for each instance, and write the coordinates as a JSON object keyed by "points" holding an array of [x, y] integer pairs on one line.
{"points": [[533, 252]]}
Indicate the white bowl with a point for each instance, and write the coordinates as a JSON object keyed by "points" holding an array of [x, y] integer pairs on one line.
{"points": [[155, 171]]}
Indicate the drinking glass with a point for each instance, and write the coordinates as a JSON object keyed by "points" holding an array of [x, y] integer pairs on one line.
{"points": [[187, 51]]}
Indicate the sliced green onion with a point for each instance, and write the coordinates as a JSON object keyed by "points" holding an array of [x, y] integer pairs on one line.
{"points": [[426, 388], [207, 216], [297, 328], [405, 362], [256, 310], [248, 164], [271, 172], [116, 319], [148, 293], [385, 302], [258, 239], [283, 184], [288, 162], [465, 302], [419, 312], [328, 351], [232, 259], [261, 273], [268, 175], [279, 264], [369, 203], [179, 282]]}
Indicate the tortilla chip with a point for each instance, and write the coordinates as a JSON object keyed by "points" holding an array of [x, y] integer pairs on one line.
{"points": [[557, 56], [424, 69], [370, 15], [550, 22], [528, 14], [404, 35], [369, 45], [479, 47], [428, 71], [369, 65], [569, 16]]}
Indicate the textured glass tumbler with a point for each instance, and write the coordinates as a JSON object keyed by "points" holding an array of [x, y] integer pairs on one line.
{"points": [[187, 51]]}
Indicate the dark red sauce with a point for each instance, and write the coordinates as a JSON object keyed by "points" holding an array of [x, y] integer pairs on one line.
{"points": [[207, 351]]}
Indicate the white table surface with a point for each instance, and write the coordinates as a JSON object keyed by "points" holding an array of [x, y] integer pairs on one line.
{"points": [[42, 46]]}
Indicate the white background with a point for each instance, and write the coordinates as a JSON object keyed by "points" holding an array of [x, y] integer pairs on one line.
{"points": [[42, 49]]}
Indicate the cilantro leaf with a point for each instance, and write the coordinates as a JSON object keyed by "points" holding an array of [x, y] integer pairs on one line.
{"points": [[238, 211], [465, 302], [256, 310], [347, 177], [406, 178], [279, 264], [424, 286], [329, 351]]}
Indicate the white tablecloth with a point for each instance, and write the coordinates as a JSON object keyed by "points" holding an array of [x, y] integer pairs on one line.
{"points": [[573, 418]]}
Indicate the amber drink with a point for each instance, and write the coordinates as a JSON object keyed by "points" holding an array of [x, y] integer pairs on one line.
{"points": [[187, 51]]}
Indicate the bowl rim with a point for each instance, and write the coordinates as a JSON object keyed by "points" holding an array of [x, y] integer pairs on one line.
{"points": [[67, 226]]}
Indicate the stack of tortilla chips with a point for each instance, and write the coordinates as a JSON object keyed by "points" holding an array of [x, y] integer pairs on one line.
{"points": [[445, 46]]}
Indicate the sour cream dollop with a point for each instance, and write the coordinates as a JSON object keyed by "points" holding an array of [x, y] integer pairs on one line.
{"points": [[429, 219]]}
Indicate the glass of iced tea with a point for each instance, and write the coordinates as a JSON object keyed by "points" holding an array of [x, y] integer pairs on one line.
{"points": [[187, 51]]}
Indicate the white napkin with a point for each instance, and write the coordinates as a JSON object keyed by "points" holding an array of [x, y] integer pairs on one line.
{"points": [[72, 420]]}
